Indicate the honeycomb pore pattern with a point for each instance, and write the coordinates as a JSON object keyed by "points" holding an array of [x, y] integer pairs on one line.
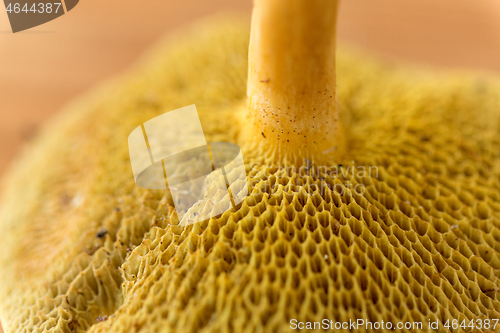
{"points": [[415, 237]]}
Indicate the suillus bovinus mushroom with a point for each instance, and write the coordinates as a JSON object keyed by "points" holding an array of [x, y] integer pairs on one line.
{"points": [[374, 193]]}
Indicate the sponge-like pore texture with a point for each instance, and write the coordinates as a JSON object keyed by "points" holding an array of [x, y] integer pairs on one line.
{"points": [[406, 228]]}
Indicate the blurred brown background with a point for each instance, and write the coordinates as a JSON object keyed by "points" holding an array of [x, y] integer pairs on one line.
{"points": [[43, 68]]}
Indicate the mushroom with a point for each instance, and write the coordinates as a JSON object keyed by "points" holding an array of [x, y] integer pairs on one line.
{"points": [[377, 201]]}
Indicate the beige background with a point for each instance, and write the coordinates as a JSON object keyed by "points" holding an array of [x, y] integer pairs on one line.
{"points": [[43, 68]]}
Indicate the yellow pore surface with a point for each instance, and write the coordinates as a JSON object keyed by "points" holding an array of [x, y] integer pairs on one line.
{"points": [[85, 250]]}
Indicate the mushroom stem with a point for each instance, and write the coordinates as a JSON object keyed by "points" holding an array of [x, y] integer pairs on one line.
{"points": [[291, 80]]}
